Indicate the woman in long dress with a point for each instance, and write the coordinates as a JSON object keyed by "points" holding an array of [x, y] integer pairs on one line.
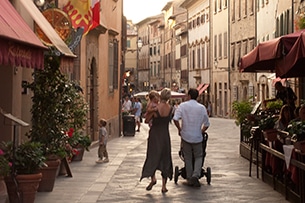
{"points": [[158, 155]]}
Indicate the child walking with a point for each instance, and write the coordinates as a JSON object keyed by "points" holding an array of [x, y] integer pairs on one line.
{"points": [[103, 137]]}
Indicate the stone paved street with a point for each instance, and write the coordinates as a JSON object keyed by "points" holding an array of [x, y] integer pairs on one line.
{"points": [[118, 180]]}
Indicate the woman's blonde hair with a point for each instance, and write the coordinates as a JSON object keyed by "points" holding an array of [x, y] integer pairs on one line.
{"points": [[165, 94]]}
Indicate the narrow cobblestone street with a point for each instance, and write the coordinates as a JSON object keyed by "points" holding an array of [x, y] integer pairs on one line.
{"points": [[118, 180]]}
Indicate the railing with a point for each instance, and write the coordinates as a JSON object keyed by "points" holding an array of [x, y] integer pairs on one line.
{"points": [[281, 182]]}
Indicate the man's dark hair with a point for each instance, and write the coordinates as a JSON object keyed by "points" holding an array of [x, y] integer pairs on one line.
{"points": [[193, 93]]}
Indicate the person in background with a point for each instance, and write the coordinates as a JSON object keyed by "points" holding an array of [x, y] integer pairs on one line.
{"points": [[284, 119], [209, 108], [126, 107], [287, 96], [138, 112], [103, 138], [158, 155], [195, 121]]}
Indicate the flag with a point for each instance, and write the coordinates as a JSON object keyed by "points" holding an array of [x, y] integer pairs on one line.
{"points": [[95, 8], [83, 13]]}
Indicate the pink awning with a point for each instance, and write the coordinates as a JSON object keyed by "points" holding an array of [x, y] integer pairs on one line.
{"points": [[203, 88], [200, 86], [18, 43]]}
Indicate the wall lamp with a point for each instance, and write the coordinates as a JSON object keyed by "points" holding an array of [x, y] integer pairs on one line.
{"points": [[140, 43], [39, 3]]}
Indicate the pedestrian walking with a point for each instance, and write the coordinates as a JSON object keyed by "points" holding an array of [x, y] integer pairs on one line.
{"points": [[103, 138], [137, 112], [158, 154], [195, 122]]}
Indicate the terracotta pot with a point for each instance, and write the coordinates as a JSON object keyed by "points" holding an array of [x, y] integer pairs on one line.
{"points": [[49, 175], [270, 135], [27, 187]]}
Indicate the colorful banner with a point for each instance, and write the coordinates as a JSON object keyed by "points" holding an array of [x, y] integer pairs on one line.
{"points": [[83, 13]]}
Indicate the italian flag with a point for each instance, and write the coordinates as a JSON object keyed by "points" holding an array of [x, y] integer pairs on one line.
{"points": [[95, 10]]}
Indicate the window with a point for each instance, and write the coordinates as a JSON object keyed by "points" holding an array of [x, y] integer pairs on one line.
{"points": [[220, 5], [246, 7], [220, 46], [183, 50], [233, 56], [128, 43], [113, 65], [238, 53], [215, 47], [208, 54], [193, 58], [233, 12], [202, 18], [202, 56], [225, 4], [225, 45], [251, 7], [198, 57], [239, 10]]}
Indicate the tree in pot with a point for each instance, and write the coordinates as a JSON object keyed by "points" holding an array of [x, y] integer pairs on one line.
{"points": [[241, 111], [57, 106], [22, 176]]}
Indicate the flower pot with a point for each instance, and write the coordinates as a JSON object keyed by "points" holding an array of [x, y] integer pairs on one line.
{"points": [[79, 156], [27, 187], [49, 175], [270, 135]]}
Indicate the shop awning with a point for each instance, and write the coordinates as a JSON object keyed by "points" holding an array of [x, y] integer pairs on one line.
{"points": [[18, 43], [203, 88], [200, 86], [47, 28]]}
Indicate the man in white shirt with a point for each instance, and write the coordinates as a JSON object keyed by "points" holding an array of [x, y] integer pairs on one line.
{"points": [[195, 121], [126, 107]]}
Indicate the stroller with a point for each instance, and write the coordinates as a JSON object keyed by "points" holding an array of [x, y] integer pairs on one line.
{"points": [[204, 172]]}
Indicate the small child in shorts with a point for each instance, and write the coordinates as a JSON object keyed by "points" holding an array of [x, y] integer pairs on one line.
{"points": [[103, 138]]}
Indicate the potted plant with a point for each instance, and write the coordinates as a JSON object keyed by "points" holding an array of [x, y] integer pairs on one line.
{"points": [[267, 126], [297, 131], [21, 165], [57, 105], [241, 111], [274, 107], [78, 143]]}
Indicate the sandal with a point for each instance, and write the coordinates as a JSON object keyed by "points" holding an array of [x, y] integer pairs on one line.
{"points": [[164, 191], [151, 184]]}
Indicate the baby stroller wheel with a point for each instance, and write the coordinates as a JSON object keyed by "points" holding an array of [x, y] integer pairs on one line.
{"points": [[208, 175], [176, 175]]}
